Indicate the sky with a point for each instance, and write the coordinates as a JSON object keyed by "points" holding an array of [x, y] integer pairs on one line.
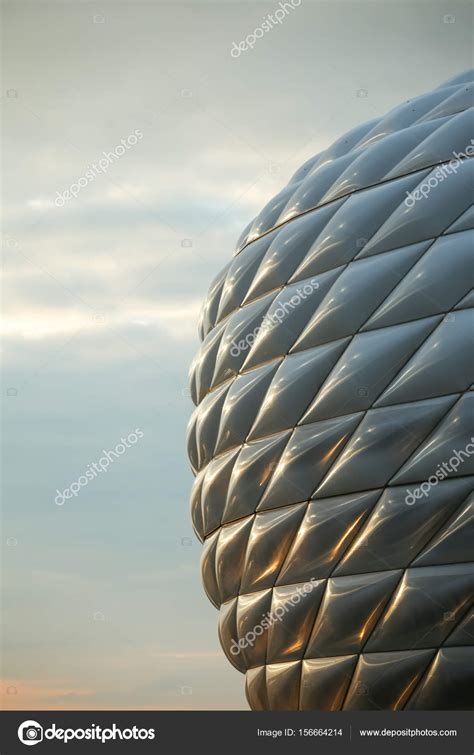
{"points": [[103, 606]]}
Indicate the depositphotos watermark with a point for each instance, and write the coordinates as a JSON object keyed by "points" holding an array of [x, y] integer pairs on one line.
{"points": [[452, 465], [269, 21], [95, 169], [271, 617], [97, 467], [275, 318], [32, 733], [438, 176]]}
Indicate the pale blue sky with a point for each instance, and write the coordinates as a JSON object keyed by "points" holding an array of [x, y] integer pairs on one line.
{"points": [[103, 605]]}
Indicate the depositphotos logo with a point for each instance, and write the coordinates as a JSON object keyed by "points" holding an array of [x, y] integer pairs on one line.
{"points": [[31, 733]]}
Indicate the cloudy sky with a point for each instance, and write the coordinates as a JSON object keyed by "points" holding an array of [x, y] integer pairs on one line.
{"points": [[103, 605]]}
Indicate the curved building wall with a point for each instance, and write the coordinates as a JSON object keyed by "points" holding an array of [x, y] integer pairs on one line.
{"points": [[331, 439]]}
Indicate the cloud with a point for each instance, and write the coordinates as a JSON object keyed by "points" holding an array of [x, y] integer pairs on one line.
{"points": [[173, 319]]}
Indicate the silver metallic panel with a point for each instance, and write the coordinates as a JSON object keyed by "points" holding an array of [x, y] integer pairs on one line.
{"points": [[426, 601], [327, 530], [301, 601], [367, 365], [386, 680], [349, 612], [356, 294], [251, 473], [448, 683], [324, 682], [400, 525]]}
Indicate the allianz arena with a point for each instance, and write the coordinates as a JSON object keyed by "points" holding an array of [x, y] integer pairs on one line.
{"points": [[332, 436]]}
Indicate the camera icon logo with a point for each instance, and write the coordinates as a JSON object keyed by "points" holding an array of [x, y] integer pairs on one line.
{"points": [[30, 732]]}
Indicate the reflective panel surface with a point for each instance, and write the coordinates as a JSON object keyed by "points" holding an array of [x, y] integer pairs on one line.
{"points": [[332, 439]]}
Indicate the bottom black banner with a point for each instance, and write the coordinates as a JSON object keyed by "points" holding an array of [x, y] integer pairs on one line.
{"points": [[229, 732]]}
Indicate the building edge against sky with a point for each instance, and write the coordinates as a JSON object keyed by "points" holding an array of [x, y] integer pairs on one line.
{"points": [[331, 440]]}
